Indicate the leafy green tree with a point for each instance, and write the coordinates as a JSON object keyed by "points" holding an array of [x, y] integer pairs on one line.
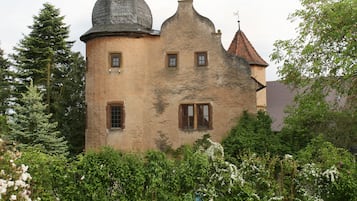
{"points": [[252, 133], [313, 115], [323, 55], [320, 61], [45, 57], [31, 126]]}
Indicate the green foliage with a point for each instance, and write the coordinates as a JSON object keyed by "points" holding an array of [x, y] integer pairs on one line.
{"points": [[47, 172], [41, 55], [4, 128], [14, 178], [111, 175], [252, 133], [304, 122], [313, 116], [327, 158], [45, 57], [70, 104], [5, 83], [30, 125], [325, 48]]}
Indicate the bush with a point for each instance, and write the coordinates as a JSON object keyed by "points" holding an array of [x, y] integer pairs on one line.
{"points": [[252, 134]]}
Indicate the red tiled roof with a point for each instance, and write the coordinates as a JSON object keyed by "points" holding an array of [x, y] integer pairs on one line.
{"points": [[242, 47]]}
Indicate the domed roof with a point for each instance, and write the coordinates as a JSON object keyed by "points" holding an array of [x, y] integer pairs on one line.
{"points": [[119, 17]]}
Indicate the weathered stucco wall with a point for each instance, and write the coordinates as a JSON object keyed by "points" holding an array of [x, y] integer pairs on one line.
{"points": [[258, 73], [152, 92]]}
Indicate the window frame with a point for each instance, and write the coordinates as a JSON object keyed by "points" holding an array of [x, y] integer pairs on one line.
{"points": [[197, 59], [168, 59], [197, 117], [114, 55], [109, 115]]}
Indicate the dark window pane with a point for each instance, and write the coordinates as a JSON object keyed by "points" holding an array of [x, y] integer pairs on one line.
{"points": [[187, 116], [115, 59], [172, 60], [116, 116], [201, 59], [203, 116]]}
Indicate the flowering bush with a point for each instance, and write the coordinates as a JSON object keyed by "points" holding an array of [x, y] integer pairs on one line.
{"points": [[14, 179]]}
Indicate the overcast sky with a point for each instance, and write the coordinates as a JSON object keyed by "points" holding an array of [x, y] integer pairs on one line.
{"points": [[262, 21]]}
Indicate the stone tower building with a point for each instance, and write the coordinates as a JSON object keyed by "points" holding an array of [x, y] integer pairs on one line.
{"points": [[146, 87]]}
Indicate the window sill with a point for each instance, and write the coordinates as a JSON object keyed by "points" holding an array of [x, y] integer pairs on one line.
{"points": [[114, 70], [196, 130], [115, 129]]}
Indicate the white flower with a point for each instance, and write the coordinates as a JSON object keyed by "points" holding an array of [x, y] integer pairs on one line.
{"points": [[288, 157], [20, 183], [10, 183], [83, 177], [331, 174], [13, 197], [24, 168], [25, 176], [3, 186]]}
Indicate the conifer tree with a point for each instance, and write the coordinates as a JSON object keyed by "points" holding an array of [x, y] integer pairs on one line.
{"points": [[42, 55], [45, 57], [31, 126], [5, 83], [70, 106]]}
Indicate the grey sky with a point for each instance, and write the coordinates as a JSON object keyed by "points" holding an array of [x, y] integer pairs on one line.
{"points": [[263, 21]]}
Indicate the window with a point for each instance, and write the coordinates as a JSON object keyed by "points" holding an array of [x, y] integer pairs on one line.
{"points": [[115, 116], [203, 116], [115, 60], [187, 116], [172, 60], [195, 116], [201, 59]]}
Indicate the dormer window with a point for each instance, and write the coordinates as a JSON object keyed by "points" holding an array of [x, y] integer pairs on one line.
{"points": [[115, 60], [201, 59]]}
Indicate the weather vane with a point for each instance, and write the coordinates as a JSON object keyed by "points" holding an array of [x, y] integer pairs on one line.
{"points": [[237, 14]]}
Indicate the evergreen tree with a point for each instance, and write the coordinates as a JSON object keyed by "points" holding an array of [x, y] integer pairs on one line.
{"points": [[42, 55], [45, 57], [5, 83], [70, 105], [31, 126]]}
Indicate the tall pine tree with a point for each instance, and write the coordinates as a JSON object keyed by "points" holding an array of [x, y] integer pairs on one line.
{"points": [[5, 83], [31, 126], [70, 106], [42, 54], [45, 57]]}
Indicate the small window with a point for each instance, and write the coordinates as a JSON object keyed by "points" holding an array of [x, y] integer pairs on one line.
{"points": [[115, 116], [115, 59], [172, 60], [195, 116], [201, 59]]}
